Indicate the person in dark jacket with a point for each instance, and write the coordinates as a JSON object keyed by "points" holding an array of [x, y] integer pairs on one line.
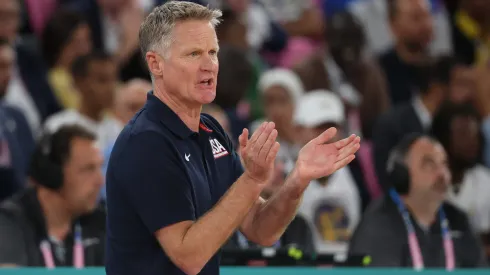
{"points": [[56, 221]]}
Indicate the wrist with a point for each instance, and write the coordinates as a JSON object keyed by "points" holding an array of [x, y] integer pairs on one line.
{"points": [[296, 184]]}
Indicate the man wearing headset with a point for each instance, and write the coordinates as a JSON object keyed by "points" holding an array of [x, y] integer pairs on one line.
{"points": [[412, 226], [55, 221]]}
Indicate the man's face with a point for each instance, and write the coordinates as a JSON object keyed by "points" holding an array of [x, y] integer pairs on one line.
{"points": [[428, 168], [278, 106], [131, 99], [412, 25], [6, 63], [190, 69], [465, 141], [9, 19], [83, 176], [100, 83], [346, 42]]}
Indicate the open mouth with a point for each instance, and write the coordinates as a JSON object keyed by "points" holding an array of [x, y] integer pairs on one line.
{"points": [[208, 81]]}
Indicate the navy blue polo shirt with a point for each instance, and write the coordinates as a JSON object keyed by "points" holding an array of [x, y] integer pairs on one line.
{"points": [[160, 173]]}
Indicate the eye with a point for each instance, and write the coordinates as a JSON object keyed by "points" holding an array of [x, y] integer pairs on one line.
{"points": [[194, 54], [213, 52]]}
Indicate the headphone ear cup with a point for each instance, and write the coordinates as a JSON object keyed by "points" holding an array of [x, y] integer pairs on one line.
{"points": [[45, 172], [400, 178]]}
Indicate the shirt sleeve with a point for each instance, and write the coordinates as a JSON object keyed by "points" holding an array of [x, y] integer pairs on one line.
{"points": [[155, 183], [12, 243]]}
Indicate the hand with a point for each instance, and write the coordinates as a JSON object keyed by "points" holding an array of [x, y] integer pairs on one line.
{"points": [[259, 153], [318, 159]]}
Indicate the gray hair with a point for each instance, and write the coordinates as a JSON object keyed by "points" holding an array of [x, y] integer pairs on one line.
{"points": [[156, 30]]}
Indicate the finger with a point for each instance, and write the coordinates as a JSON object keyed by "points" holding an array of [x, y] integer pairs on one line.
{"points": [[271, 157], [342, 163], [343, 142], [257, 133], [350, 149], [257, 145], [264, 151], [325, 136], [243, 138]]}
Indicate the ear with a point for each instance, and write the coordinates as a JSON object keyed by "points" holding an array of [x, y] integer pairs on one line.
{"points": [[155, 64]]}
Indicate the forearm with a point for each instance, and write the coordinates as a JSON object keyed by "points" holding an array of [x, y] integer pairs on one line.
{"points": [[204, 237], [273, 217]]}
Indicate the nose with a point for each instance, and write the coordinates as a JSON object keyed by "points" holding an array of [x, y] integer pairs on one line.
{"points": [[209, 63]]}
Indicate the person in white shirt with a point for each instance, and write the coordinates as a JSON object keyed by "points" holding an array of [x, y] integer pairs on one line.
{"points": [[457, 127], [331, 205], [95, 78]]}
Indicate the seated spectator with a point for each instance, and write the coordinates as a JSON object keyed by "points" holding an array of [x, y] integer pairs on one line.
{"points": [[373, 15], [457, 127], [331, 206], [65, 38], [412, 226], [28, 87], [40, 225], [343, 69], [129, 99], [114, 27], [16, 140], [444, 80], [95, 78], [281, 90], [412, 25]]}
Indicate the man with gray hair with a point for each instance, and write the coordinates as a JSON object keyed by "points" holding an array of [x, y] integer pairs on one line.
{"points": [[176, 188]]}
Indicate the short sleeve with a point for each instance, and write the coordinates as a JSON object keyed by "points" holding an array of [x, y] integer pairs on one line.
{"points": [[12, 242], [154, 182]]}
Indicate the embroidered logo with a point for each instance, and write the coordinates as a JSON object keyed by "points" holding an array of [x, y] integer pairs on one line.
{"points": [[218, 149], [187, 156]]}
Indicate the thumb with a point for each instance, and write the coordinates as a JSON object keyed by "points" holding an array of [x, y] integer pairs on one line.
{"points": [[325, 136], [243, 139]]}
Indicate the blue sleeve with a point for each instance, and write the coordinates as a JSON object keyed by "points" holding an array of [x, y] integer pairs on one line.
{"points": [[486, 141], [154, 181]]}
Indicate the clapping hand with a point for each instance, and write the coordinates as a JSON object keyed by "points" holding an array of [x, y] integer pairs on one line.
{"points": [[259, 152], [320, 159]]}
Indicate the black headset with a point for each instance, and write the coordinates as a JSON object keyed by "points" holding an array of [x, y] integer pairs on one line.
{"points": [[396, 168], [43, 169]]}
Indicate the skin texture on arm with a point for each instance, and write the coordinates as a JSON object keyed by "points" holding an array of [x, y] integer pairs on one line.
{"points": [[190, 245]]}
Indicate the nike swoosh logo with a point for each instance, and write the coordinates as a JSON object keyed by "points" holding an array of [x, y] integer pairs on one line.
{"points": [[187, 157]]}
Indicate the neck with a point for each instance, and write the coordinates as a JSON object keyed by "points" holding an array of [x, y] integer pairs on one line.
{"points": [[57, 217], [90, 112], [189, 115], [424, 211], [410, 57]]}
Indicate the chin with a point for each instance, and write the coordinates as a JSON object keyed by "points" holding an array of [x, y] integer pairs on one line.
{"points": [[207, 97]]}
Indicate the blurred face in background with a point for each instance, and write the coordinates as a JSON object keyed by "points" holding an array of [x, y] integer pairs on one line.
{"points": [[6, 64], [429, 171], [465, 144], [79, 44], [278, 107], [9, 19], [83, 176], [130, 99], [462, 84], [412, 24], [345, 40], [99, 85]]}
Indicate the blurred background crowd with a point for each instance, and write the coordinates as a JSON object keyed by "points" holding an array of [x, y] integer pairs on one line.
{"points": [[381, 69]]}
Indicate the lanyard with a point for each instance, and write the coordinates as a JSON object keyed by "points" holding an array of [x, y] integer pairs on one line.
{"points": [[418, 261], [78, 255]]}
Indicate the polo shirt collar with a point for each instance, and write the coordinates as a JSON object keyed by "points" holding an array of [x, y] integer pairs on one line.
{"points": [[169, 118]]}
